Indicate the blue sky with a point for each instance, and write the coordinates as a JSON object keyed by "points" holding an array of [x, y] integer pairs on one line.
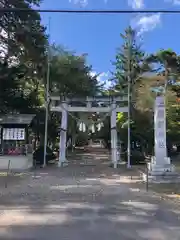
{"points": [[99, 35]]}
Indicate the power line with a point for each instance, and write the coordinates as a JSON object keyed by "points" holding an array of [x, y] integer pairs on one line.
{"points": [[86, 11]]}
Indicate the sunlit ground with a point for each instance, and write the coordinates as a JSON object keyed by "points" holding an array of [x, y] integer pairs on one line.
{"points": [[84, 203], [171, 190], [5, 174]]}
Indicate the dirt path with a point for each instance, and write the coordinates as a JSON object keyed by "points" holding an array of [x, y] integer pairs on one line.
{"points": [[84, 202]]}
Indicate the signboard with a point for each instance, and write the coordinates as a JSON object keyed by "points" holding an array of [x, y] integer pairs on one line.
{"points": [[160, 129], [13, 134]]}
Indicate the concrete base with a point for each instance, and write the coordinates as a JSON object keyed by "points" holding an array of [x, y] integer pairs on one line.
{"points": [[166, 178], [160, 173], [63, 163], [17, 163], [115, 165], [155, 169]]}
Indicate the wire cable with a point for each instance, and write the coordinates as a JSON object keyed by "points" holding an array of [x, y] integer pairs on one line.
{"points": [[87, 11]]}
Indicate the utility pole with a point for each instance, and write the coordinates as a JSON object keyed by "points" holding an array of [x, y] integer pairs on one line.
{"points": [[47, 100], [129, 46]]}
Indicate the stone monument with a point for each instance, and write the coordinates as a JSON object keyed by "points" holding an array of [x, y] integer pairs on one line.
{"points": [[160, 164]]}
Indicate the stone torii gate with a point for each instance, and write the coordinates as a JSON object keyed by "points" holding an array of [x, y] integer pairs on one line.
{"points": [[99, 104]]}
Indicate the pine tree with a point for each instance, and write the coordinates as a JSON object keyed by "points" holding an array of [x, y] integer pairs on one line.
{"points": [[129, 61]]}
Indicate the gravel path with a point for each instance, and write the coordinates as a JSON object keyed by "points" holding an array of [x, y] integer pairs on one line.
{"points": [[78, 203]]}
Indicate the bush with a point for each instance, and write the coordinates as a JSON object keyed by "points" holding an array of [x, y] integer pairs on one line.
{"points": [[137, 157], [38, 155], [82, 139]]}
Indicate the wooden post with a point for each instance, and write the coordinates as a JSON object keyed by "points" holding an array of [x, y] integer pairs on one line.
{"points": [[35, 167], [147, 178], [6, 181]]}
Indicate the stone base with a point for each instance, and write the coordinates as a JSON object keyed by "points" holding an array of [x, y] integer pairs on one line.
{"points": [[166, 178], [63, 163], [160, 173], [116, 165], [160, 169]]}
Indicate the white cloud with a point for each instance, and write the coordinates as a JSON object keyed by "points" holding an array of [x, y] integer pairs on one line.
{"points": [[146, 23], [136, 4], [175, 2], [103, 78], [83, 3]]}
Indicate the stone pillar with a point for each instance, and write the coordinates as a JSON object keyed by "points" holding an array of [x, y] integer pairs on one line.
{"points": [[160, 148], [113, 136], [160, 163], [63, 136]]}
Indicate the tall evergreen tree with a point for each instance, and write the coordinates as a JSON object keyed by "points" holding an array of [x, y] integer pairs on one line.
{"points": [[129, 61], [130, 67]]}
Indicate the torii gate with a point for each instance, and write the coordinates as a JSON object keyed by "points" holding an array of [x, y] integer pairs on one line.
{"points": [[88, 104]]}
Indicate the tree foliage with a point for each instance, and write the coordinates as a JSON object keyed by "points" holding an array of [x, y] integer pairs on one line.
{"points": [[22, 34], [23, 70], [23, 61], [130, 67], [70, 74]]}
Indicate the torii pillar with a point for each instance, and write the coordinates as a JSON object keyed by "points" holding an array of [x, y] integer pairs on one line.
{"points": [[63, 136], [113, 136]]}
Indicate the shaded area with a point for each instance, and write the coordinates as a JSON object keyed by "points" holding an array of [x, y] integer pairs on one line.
{"points": [[84, 202]]}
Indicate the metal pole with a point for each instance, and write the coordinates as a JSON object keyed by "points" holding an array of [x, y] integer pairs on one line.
{"points": [[147, 178], [129, 129], [47, 103], [6, 180], [129, 102], [165, 103]]}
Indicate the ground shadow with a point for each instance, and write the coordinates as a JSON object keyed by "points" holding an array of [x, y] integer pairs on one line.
{"points": [[80, 203]]}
